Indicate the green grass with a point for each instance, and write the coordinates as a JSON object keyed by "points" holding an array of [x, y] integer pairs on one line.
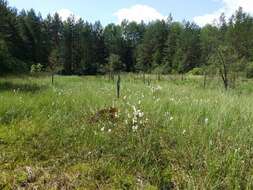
{"points": [[188, 138]]}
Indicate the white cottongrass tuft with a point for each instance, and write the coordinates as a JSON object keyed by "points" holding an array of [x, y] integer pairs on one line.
{"points": [[135, 128], [206, 121]]}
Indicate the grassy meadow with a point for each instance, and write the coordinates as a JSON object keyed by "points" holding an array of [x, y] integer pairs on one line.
{"points": [[169, 134]]}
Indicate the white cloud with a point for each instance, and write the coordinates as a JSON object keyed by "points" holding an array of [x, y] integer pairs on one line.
{"points": [[229, 7], [65, 13], [138, 13]]}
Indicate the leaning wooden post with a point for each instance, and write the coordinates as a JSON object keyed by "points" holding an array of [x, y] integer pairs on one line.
{"points": [[149, 81], [118, 86], [52, 78], [205, 79]]}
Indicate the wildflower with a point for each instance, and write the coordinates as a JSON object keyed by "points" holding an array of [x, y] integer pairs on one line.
{"points": [[102, 129], [237, 150], [30, 174], [134, 120], [155, 89], [159, 87], [109, 131], [206, 121], [140, 114], [140, 181], [135, 128]]}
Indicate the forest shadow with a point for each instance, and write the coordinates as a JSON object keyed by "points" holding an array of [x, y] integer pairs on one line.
{"points": [[19, 87]]}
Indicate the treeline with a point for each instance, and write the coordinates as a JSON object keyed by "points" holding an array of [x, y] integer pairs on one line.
{"points": [[163, 46]]}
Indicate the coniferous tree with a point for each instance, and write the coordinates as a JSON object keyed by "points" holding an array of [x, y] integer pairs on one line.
{"points": [[68, 45], [161, 46]]}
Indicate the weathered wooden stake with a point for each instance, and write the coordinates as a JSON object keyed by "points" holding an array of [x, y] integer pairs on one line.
{"points": [[118, 86], [205, 79], [149, 81], [52, 78]]}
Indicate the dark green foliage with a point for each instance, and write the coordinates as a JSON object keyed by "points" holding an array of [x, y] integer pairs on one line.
{"points": [[162, 46], [68, 44], [249, 71], [4, 57], [240, 31], [196, 71], [175, 30], [150, 51]]}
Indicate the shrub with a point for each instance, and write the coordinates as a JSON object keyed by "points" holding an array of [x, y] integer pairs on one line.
{"points": [[249, 71], [36, 68], [8, 63], [162, 69], [196, 71], [5, 58]]}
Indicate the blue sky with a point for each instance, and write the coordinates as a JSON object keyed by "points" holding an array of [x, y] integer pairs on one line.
{"points": [[200, 11]]}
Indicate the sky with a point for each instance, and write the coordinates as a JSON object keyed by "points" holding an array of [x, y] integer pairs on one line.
{"points": [[114, 11]]}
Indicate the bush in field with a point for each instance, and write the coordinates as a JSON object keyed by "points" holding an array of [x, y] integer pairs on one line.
{"points": [[162, 69], [114, 65], [196, 71], [227, 62], [36, 68], [249, 71]]}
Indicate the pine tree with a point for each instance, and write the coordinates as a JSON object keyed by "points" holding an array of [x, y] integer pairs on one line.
{"points": [[68, 45]]}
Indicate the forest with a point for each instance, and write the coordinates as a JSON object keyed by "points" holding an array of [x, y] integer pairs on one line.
{"points": [[164, 46]]}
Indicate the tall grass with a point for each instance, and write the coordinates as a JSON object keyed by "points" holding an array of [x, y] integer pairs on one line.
{"points": [[171, 134]]}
